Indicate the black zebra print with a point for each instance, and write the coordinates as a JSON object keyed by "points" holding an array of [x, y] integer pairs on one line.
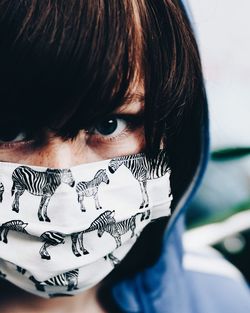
{"points": [[2, 275], [142, 169], [90, 188], [15, 225], [21, 270], [98, 223], [107, 223], [114, 260], [50, 238], [37, 183], [1, 191], [68, 279], [116, 230]]}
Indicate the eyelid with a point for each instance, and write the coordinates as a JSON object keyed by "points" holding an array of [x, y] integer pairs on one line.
{"points": [[28, 140], [17, 144], [129, 116], [133, 120]]}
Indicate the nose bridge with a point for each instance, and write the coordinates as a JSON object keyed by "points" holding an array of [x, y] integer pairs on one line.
{"points": [[59, 153]]}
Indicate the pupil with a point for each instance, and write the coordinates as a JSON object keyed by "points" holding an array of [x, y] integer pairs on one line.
{"points": [[107, 127]]}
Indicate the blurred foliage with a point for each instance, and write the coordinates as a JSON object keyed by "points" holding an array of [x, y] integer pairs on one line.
{"points": [[230, 154], [225, 191]]}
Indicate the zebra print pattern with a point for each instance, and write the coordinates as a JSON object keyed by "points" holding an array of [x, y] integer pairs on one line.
{"points": [[104, 222], [117, 229], [142, 169], [39, 184], [2, 275], [114, 260], [77, 238], [107, 223], [1, 191], [50, 238], [77, 242], [90, 188], [15, 225], [68, 279], [21, 270], [105, 218]]}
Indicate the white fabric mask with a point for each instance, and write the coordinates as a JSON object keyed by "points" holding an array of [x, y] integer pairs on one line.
{"points": [[63, 230]]}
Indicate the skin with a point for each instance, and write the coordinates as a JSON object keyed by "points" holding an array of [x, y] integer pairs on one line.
{"points": [[55, 152], [86, 147], [14, 300]]}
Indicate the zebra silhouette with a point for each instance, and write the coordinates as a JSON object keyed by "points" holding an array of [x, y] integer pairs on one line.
{"points": [[39, 184], [50, 238], [21, 270], [2, 275], [104, 222], [1, 191], [115, 262], [117, 229], [77, 241], [90, 188], [16, 225], [107, 223], [142, 169], [68, 279]]}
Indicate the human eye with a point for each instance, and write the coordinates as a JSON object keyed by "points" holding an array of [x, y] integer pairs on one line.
{"points": [[10, 137], [115, 127]]}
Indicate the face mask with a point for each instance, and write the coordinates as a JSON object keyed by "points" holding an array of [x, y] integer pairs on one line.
{"points": [[63, 230]]}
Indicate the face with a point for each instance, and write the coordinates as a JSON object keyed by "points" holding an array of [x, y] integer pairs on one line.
{"points": [[122, 133]]}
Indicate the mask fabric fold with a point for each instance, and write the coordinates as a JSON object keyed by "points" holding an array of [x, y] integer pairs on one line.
{"points": [[63, 230]]}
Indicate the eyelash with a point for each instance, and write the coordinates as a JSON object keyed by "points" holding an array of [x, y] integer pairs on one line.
{"points": [[17, 144], [133, 121]]}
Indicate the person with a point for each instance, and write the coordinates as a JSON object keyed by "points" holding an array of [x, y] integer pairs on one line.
{"points": [[103, 142]]}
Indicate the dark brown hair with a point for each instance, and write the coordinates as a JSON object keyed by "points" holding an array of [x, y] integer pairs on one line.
{"points": [[66, 64]]}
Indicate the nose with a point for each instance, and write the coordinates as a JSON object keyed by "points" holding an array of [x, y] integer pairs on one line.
{"points": [[111, 170], [60, 153]]}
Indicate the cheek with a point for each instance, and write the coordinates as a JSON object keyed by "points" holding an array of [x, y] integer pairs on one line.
{"points": [[60, 154], [15, 155]]}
